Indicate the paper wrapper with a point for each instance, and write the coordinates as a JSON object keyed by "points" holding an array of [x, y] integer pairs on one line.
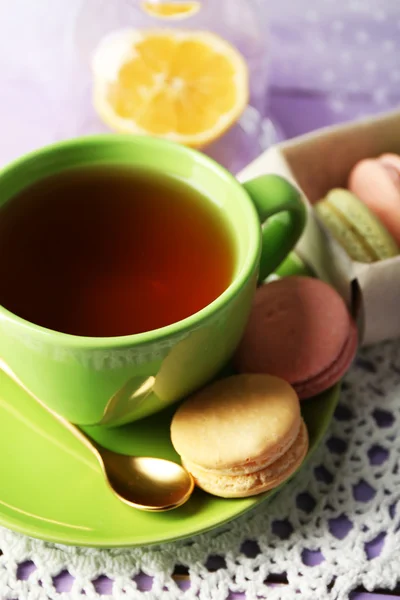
{"points": [[316, 163]]}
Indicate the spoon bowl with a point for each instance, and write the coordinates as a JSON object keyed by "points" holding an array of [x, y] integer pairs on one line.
{"points": [[143, 482]]}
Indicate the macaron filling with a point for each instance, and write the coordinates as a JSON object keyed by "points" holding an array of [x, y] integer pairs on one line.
{"points": [[248, 484]]}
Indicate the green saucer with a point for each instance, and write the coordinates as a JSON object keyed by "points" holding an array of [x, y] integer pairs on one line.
{"points": [[52, 486]]}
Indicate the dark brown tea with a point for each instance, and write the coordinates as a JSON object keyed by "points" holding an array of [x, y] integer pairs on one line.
{"points": [[111, 251]]}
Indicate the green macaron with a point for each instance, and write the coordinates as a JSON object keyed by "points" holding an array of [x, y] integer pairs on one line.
{"points": [[355, 227]]}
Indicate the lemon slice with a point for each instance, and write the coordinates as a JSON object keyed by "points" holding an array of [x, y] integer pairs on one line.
{"points": [[170, 10], [185, 86]]}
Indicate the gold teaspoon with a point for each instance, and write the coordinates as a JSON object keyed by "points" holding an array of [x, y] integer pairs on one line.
{"points": [[143, 482]]}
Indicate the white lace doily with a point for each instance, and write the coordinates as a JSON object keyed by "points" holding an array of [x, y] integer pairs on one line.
{"points": [[333, 528]]}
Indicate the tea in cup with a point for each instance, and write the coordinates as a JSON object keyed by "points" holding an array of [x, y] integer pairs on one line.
{"points": [[128, 269]]}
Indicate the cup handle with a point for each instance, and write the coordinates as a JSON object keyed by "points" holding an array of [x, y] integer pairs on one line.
{"points": [[283, 216]]}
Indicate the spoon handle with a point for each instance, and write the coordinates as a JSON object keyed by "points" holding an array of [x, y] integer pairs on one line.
{"points": [[76, 432]]}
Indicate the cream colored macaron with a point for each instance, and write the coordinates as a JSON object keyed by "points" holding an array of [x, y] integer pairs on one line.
{"points": [[241, 436]]}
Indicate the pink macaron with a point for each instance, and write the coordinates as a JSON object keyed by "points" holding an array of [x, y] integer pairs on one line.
{"points": [[300, 330], [376, 181]]}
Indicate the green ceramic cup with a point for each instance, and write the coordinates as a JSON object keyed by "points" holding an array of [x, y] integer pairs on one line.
{"points": [[112, 381]]}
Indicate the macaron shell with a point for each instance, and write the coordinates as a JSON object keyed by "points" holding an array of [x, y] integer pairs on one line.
{"points": [[241, 486], [237, 421], [297, 329], [359, 219], [371, 181], [331, 375], [348, 239]]}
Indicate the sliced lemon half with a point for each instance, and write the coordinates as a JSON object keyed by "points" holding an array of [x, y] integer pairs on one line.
{"points": [[185, 86]]}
